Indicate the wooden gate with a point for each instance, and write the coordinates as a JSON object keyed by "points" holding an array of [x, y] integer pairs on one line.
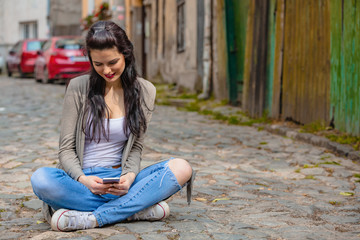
{"points": [[236, 19], [345, 65], [306, 65]]}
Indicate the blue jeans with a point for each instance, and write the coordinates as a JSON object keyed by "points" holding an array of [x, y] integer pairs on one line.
{"points": [[152, 185]]}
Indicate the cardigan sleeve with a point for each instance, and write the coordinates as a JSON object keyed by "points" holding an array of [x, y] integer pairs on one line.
{"points": [[68, 157]]}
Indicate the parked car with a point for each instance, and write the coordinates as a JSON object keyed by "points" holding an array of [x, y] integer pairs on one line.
{"points": [[22, 56], [61, 58]]}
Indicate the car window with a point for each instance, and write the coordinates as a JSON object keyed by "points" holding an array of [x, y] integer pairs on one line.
{"points": [[69, 44], [17, 47], [33, 46]]}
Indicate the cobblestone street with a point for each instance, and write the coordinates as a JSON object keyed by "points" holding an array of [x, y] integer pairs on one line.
{"points": [[250, 184]]}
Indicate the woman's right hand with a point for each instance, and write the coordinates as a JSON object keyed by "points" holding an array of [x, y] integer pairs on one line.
{"points": [[94, 183]]}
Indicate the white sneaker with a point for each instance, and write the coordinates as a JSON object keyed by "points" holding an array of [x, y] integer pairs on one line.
{"points": [[65, 220], [156, 212]]}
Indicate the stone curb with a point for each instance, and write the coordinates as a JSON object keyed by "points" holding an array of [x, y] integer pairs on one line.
{"points": [[341, 149]]}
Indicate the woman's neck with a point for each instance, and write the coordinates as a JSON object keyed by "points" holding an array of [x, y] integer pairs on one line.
{"points": [[115, 86]]}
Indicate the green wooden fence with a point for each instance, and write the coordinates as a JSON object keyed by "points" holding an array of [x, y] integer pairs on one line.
{"points": [[345, 65], [312, 59], [236, 19]]}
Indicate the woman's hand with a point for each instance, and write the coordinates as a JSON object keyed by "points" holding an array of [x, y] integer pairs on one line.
{"points": [[94, 183], [123, 186]]}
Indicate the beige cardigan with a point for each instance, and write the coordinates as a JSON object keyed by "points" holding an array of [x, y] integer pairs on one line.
{"points": [[72, 138]]}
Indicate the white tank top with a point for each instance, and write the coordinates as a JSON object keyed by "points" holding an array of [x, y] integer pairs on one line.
{"points": [[106, 153]]}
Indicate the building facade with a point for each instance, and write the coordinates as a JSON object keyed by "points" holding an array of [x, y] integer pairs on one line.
{"points": [[21, 21], [182, 42], [64, 17]]}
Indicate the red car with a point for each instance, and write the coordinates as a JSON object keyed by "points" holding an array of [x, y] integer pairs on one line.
{"points": [[22, 56], [61, 58]]}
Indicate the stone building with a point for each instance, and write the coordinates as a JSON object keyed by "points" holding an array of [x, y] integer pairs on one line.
{"points": [[22, 20], [182, 41], [37, 19]]}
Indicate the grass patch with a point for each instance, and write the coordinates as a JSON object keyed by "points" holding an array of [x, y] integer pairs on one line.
{"points": [[298, 170], [335, 203], [357, 175], [345, 139], [219, 116], [322, 163], [310, 177], [206, 112], [238, 118], [187, 96], [260, 129], [330, 163], [261, 184], [347, 194], [314, 127], [320, 128], [309, 166], [192, 107], [233, 120]]}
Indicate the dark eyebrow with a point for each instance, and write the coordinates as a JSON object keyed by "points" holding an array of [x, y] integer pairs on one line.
{"points": [[113, 60]]}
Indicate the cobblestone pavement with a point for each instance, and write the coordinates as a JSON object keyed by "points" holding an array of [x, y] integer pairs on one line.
{"points": [[250, 184]]}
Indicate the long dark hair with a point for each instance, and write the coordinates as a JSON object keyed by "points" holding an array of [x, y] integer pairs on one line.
{"points": [[106, 35]]}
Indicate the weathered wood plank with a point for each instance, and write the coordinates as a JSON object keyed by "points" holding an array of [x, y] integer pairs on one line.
{"points": [[335, 46], [257, 81], [306, 69], [278, 62], [248, 53], [270, 56]]}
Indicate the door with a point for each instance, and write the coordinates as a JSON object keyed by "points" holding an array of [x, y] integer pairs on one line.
{"points": [[236, 22]]}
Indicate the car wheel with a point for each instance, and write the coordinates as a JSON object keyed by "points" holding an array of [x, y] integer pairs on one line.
{"points": [[9, 73]]}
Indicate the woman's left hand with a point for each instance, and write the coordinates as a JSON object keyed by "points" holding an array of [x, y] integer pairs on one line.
{"points": [[123, 186]]}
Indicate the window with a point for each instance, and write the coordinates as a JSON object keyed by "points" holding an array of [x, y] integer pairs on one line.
{"points": [[180, 25], [28, 30]]}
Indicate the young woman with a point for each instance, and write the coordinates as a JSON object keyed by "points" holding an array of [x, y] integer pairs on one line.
{"points": [[104, 119]]}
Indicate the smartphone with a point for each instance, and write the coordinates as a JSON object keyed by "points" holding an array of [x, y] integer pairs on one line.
{"points": [[111, 180]]}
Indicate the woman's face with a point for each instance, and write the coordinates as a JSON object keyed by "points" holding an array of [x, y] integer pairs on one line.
{"points": [[108, 63]]}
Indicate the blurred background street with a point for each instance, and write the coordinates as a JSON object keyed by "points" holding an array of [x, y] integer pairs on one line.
{"points": [[225, 71]]}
